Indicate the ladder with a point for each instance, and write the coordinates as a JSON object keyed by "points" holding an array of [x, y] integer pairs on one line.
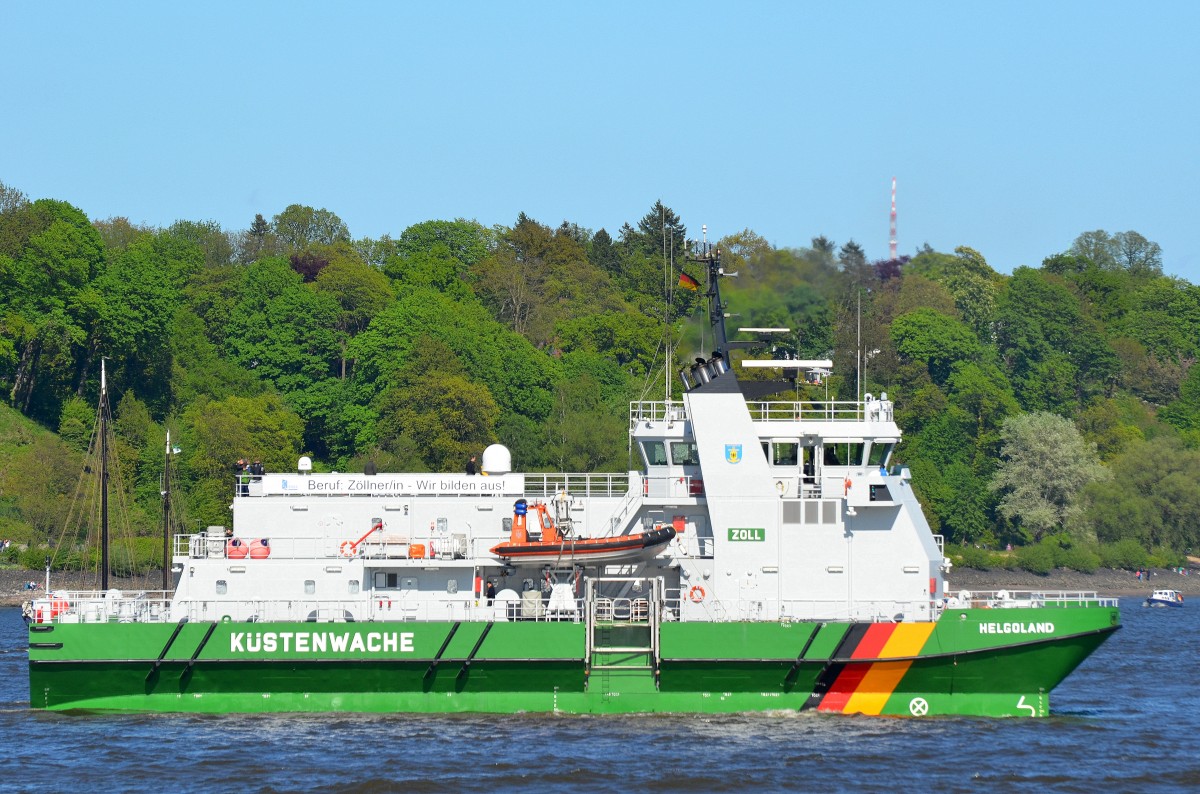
{"points": [[624, 619]]}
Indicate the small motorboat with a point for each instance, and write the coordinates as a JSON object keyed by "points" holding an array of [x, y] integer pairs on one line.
{"points": [[555, 546], [1164, 598]]}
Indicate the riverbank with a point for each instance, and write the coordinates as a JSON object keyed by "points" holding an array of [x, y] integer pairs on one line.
{"points": [[1106, 581], [13, 581]]}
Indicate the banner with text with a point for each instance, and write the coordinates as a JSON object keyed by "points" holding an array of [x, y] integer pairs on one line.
{"points": [[392, 484]]}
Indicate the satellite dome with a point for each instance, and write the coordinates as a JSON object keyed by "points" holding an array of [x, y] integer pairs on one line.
{"points": [[497, 460]]}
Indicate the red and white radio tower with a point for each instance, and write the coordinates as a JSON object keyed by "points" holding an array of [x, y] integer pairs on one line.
{"points": [[892, 236]]}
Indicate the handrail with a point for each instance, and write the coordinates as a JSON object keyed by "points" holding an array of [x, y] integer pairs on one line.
{"points": [[654, 411]]}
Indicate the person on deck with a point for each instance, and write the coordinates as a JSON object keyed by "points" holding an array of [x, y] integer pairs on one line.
{"points": [[490, 592], [241, 471], [471, 468]]}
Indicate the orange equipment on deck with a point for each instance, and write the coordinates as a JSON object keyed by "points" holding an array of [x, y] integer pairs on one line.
{"points": [[520, 530]]}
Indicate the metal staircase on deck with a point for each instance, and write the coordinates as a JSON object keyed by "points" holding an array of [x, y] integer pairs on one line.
{"points": [[624, 617]]}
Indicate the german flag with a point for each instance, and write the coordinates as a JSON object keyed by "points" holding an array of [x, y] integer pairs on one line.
{"points": [[687, 282]]}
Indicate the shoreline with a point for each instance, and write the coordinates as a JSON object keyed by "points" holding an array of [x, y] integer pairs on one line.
{"points": [[1104, 582]]}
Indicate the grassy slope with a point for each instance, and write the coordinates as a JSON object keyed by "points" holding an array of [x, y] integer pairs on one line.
{"points": [[16, 432]]}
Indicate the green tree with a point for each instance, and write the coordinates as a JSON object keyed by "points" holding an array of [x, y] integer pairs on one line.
{"points": [[216, 433], [136, 299], [1045, 463], [1127, 251], [1055, 356], [45, 300], [582, 434], [1184, 413], [519, 377], [209, 237], [985, 393], [361, 292], [466, 241], [435, 409], [283, 330], [118, 233], [299, 226], [1153, 499], [938, 341], [974, 287]]}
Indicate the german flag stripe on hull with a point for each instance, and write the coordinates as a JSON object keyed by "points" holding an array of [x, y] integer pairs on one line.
{"points": [[865, 688]]}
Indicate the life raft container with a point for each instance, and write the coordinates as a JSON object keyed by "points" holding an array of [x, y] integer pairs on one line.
{"points": [[260, 549], [48, 610]]}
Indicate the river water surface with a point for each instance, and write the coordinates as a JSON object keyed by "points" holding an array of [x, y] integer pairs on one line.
{"points": [[1127, 720]]}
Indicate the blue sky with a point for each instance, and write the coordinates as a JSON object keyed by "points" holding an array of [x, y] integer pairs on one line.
{"points": [[1011, 127]]}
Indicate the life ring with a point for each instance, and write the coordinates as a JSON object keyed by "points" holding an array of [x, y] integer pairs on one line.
{"points": [[347, 549], [696, 594]]}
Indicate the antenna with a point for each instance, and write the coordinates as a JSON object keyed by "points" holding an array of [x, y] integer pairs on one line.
{"points": [[892, 236]]}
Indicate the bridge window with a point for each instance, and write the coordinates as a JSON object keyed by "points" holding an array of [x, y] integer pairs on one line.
{"points": [[655, 453], [880, 452], [683, 453], [786, 453], [842, 453]]}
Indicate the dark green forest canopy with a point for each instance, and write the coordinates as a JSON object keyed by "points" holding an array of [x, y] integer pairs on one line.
{"points": [[294, 337]]}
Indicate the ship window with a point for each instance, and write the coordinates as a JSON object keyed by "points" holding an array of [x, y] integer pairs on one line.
{"points": [[352, 587], [683, 453], [786, 453], [879, 454], [310, 586], [222, 587], [842, 453], [655, 453], [385, 581]]}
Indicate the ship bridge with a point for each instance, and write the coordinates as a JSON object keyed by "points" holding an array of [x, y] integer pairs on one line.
{"points": [[805, 442]]}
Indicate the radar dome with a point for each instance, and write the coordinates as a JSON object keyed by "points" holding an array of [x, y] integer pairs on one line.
{"points": [[497, 460]]}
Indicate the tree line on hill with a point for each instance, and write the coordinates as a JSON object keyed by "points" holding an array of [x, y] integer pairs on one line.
{"points": [[1055, 409]]}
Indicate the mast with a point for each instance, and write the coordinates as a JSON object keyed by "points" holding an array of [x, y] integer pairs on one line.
{"points": [[103, 479], [710, 256], [166, 560]]}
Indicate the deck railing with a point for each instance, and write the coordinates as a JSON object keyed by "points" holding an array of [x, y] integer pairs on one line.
{"points": [[387, 606], [656, 411]]}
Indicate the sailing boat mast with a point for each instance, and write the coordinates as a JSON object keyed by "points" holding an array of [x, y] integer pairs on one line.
{"points": [[103, 479], [166, 559]]}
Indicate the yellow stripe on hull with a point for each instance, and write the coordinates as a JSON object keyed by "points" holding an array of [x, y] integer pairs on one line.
{"points": [[881, 680]]}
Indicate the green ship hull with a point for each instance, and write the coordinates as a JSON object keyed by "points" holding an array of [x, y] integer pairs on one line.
{"points": [[989, 662]]}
